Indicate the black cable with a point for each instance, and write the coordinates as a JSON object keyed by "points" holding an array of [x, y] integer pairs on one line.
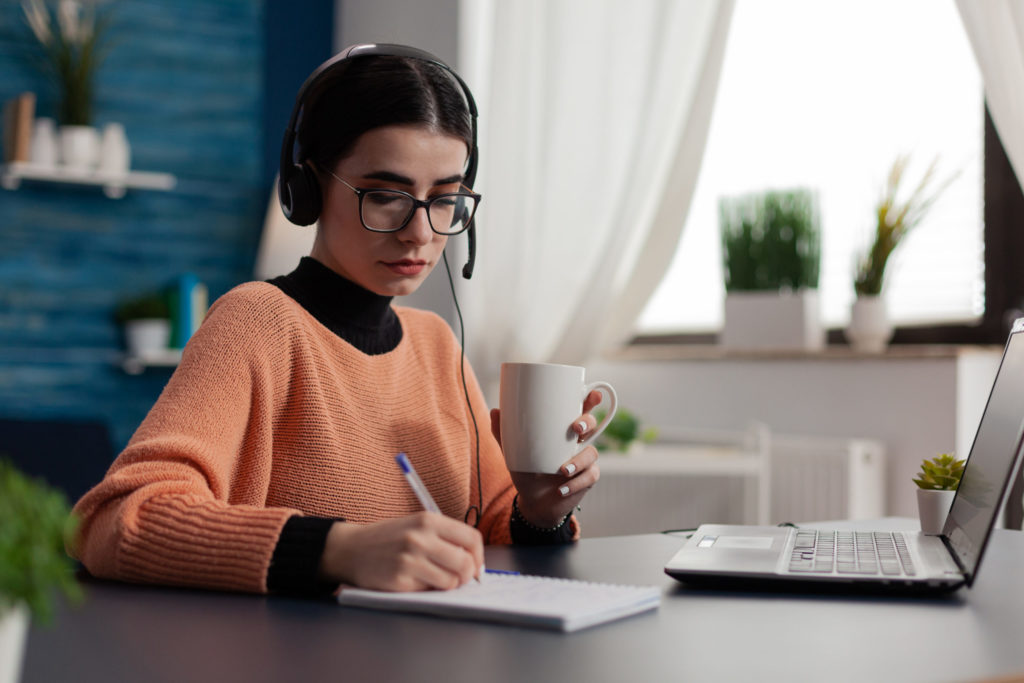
{"points": [[465, 390]]}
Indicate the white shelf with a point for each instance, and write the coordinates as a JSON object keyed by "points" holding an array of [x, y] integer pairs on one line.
{"points": [[114, 186], [135, 365]]}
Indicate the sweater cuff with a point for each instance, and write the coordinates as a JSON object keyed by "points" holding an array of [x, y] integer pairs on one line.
{"points": [[296, 558]]}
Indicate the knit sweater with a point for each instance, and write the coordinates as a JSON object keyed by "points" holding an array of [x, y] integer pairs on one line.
{"points": [[272, 415]]}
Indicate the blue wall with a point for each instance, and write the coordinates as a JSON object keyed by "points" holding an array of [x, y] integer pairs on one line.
{"points": [[188, 81]]}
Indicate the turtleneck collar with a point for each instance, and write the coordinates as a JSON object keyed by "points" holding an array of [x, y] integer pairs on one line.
{"points": [[357, 315]]}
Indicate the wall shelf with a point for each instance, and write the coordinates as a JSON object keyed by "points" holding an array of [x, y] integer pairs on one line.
{"points": [[135, 365], [114, 186]]}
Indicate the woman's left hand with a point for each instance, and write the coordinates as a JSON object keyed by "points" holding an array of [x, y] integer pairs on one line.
{"points": [[546, 499]]}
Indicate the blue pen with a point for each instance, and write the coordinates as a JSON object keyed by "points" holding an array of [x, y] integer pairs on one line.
{"points": [[416, 484]]}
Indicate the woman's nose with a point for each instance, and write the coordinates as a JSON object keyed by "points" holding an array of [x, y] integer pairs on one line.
{"points": [[418, 229]]}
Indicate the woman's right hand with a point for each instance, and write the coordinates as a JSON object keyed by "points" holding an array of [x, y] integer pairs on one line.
{"points": [[419, 552]]}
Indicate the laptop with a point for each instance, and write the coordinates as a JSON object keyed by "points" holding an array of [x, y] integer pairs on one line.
{"points": [[735, 556]]}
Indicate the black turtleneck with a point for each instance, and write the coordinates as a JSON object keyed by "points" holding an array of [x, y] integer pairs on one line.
{"points": [[366, 321], [363, 319]]}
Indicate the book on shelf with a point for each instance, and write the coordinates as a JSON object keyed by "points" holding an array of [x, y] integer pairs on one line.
{"points": [[19, 114]]}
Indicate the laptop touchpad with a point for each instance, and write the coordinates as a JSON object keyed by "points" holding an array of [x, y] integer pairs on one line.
{"points": [[744, 542]]}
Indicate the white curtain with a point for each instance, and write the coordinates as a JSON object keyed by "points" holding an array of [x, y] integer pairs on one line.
{"points": [[996, 32], [594, 115]]}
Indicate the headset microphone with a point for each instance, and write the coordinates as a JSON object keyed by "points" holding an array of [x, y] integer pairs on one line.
{"points": [[467, 270]]}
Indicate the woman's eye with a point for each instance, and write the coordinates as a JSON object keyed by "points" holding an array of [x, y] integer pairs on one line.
{"points": [[383, 198]]}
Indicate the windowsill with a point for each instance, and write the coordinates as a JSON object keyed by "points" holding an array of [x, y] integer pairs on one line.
{"points": [[836, 352]]}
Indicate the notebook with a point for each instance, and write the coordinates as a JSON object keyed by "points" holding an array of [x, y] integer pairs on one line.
{"points": [[773, 557], [525, 600]]}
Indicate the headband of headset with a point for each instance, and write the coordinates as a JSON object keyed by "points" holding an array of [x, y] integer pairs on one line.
{"points": [[298, 189]]}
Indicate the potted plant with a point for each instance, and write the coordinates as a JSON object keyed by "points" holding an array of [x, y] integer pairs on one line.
{"points": [[869, 330], [146, 321], [72, 50], [624, 433], [771, 248], [34, 525], [937, 483]]}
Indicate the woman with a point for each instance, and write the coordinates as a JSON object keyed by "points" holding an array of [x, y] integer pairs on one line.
{"points": [[267, 463]]}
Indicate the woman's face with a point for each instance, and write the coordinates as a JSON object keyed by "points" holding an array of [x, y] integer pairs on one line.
{"points": [[416, 159]]}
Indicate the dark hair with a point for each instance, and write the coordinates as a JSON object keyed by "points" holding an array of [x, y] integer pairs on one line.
{"points": [[375, 91]]}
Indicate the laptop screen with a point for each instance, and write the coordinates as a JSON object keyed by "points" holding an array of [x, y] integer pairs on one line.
{"points": [[990, 464]]}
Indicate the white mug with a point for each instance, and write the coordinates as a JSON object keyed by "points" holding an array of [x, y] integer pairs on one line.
{"points": [[539, 403]]}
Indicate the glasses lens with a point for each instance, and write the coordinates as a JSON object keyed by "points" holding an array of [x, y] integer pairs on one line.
{"points": [[450, 214], [386, 209]]}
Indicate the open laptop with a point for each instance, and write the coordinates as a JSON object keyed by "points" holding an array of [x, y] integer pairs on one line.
{"points": [[796, 558]]}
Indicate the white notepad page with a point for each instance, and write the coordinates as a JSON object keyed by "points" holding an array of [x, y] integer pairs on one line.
{"points": [[563, 604]]}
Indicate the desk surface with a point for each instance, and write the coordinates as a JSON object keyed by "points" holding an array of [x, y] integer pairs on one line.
{"points": [[136, 633]]}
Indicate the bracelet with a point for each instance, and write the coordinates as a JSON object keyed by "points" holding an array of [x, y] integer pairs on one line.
{"points": [[518, 516]]}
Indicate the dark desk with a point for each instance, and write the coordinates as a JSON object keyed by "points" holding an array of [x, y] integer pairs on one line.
{"points": [[134, 633]]}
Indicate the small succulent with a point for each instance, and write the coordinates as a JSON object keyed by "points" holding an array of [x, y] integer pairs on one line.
{"points": [[623, 429], [941, 473]]}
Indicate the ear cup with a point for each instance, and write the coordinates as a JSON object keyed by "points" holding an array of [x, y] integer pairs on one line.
{"points": [[300, 195]]}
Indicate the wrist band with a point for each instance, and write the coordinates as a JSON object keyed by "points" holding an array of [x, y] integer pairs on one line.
{"points": [[518, 516]]}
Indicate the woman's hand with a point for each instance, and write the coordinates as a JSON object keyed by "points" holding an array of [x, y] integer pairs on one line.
{"points": [[419, 552], [545, 499]]}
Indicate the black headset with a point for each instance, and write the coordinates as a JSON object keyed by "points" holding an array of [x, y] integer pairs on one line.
{"points": [[297, 186]]}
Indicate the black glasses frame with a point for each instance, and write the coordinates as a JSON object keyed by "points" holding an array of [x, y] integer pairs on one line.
{"points": [[416, 205]]}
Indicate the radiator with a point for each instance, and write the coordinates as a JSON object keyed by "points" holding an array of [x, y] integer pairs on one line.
{"points": [[746, 478]]}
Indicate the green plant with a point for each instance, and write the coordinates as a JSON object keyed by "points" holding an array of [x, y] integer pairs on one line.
{"points": [[143, 307], [770, 240], [72, 51], [623, 429], [941, 473], [35, 523], [894, 218]]}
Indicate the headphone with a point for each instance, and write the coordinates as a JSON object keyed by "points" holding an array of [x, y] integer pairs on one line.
{"points": [[298, 189]]}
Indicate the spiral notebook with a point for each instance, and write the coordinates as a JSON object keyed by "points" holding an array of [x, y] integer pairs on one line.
{"points": [[525, 600]]}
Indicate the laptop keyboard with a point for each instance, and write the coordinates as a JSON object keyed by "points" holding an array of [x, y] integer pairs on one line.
{"points": [[878, 553]]}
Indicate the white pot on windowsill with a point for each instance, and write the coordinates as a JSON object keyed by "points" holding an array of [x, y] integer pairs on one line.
{"points": [[869, 330], [773, 321], [13, 638]]}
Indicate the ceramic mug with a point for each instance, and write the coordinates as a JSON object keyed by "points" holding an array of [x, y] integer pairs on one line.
{"points": [[539, 403]]}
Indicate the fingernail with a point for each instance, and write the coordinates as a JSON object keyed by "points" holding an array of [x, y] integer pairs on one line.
{"points": [[564, 490], [582, 425], [570, 468]]}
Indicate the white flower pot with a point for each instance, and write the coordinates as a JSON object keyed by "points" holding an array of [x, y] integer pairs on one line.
{"points": [[79, 147], [147, 337], [115, 154], [44, 150], [932, 507], [779, 321], [13, 637], [869, 330]]}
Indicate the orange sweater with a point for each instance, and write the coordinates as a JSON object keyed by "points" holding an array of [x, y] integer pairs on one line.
{"points": [[270, 415]]}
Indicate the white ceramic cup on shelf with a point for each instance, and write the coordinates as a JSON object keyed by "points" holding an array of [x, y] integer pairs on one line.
{"points": [[539, 403], [44, 150]]}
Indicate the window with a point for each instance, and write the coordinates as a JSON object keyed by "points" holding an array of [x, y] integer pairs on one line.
{"points": [[827, 95]]}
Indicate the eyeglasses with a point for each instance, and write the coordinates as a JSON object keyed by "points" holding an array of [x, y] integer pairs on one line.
{"points": [[391, 210]]}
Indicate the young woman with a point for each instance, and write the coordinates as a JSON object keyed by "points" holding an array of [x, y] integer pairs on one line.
{"points": [[267, 463]]}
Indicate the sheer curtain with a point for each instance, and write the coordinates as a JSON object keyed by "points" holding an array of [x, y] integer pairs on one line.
{"points": [[996, 31], [593, 117]]}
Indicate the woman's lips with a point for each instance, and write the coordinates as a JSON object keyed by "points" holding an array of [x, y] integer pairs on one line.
{"points": [[405, 266]]}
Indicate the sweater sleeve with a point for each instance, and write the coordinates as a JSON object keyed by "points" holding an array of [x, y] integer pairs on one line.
{"points": [[183, 503]]}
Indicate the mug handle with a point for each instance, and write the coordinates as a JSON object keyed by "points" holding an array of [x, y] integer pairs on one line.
{"points": [[613, 401]]}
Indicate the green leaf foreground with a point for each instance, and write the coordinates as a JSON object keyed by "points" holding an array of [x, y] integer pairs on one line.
{"points": [[35, 523], [941, 473]]}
